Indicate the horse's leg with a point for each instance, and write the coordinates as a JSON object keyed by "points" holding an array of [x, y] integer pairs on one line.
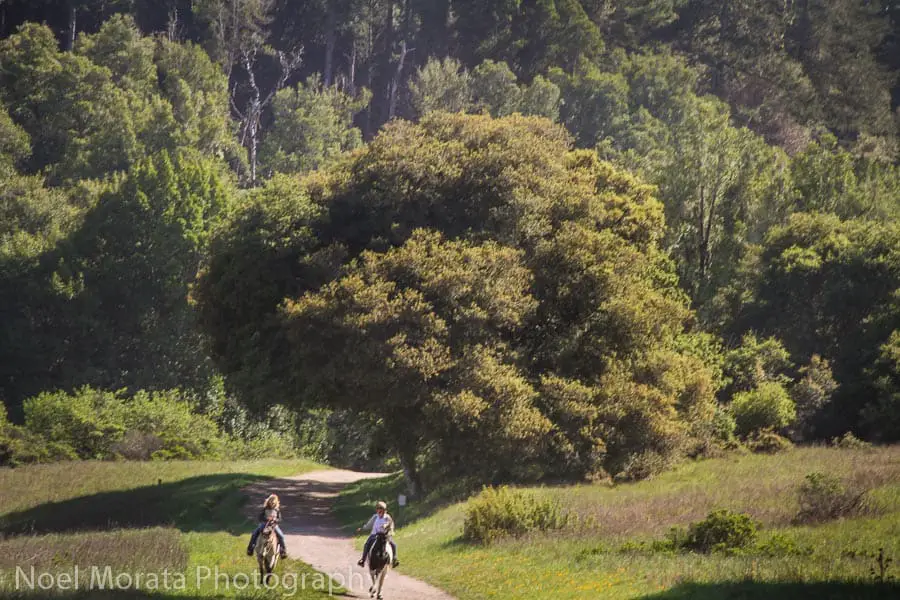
{"points": [[381, 577]]}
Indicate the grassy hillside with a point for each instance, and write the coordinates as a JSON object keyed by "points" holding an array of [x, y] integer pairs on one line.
{"points": [[140, 519], [604, 557]]}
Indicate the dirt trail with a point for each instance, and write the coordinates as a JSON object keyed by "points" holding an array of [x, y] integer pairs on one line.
{"points": [[313, 536]]}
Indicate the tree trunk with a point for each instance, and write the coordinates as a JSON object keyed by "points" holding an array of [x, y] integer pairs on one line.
{"points": [[352, 87], [70, 31], [330, 37], [410, 472], [395, 82]]}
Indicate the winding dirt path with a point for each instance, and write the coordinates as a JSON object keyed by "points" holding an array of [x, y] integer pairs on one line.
{"points": [[314, 536]]}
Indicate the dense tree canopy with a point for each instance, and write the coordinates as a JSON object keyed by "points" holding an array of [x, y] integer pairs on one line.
{"points": [[705, 243], [459, 266]]}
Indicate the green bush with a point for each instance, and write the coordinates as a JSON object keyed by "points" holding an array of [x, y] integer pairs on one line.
{"points": [[268, 444], [643, 465], [87, 422], [824, 497], [779, 545], [722, 530], [723, 426], [181, 433], [848, 441], [501, 511], [768, 442], [18, 446], [769, 406]]}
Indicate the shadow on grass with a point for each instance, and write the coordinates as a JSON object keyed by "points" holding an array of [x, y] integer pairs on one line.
{"points": [[826, 590], [206, 503]]}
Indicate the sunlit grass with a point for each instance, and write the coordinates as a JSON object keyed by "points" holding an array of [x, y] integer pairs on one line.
{"points": [[184, 518], [587, 562]]}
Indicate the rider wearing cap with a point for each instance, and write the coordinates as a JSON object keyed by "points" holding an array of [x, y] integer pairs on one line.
{"points": [[380, 521]]}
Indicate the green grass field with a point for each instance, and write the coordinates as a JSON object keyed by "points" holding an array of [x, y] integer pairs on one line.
{"points": [[147, 521], [589, 562]]}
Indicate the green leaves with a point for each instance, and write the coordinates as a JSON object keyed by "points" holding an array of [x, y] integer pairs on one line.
{"points": [[119, 96], [457, 267], [312, 125], [444, 85]]}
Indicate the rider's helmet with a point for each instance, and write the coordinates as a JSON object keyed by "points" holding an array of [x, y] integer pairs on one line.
{"points": [[272, 502], [381, 505]]}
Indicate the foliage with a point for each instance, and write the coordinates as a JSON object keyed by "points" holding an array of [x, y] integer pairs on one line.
{"points": [[311, 125], [824, 497], [722, 186], [87, 422], [754, 363], [491, 87], [504, 511], [767, 406], [115, 287], [849, 441], [811, 393], [118, 97], [780, 545], [114, 140], [766, 441], [722, 530], [96, 424], [828, 287], [882, 416], [442, 271], [829, 178]]}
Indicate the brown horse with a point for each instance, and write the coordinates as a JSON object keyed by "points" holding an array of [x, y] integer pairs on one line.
{"points": [[267, 551]]}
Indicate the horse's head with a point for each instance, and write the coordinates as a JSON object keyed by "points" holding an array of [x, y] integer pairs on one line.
{"points": [[379, 554], [268, 530]]}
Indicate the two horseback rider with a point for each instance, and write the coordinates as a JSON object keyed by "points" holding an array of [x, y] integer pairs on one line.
{"points": [[380, 522]]}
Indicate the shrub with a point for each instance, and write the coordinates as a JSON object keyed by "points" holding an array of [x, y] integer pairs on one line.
{"points": [[498, 512], [811, 393], [18, 446], [824, 497], [754, 363], [768, 442], [643, 465], [848, 441], [722, 530], [723, 426], [137, 445], [268, 444], [182, 433], [767, 407], [779, 545], [88, 422]]}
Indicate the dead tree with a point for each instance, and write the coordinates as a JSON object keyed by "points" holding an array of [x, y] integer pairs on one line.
{"points": [[251, 116]]}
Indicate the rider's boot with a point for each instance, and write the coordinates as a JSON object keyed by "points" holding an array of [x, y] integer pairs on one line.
{"points": [[283, 553], [361, 562], [250, 550], [395, 563]]}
